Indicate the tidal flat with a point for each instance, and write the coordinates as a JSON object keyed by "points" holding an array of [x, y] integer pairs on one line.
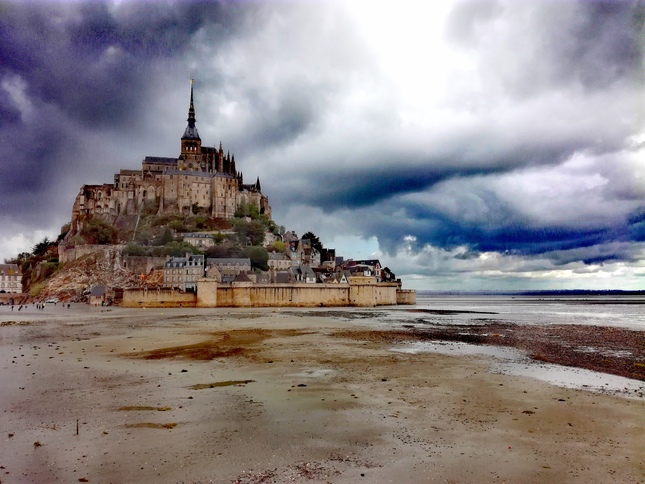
{"points": [[270, 395]]}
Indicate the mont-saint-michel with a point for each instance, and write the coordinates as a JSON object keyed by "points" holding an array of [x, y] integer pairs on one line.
{"points": [[187, 231]]}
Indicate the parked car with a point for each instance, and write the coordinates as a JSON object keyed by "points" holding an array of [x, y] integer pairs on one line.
{"points": [[53, 300]]}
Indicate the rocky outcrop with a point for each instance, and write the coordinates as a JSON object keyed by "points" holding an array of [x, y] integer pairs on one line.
{"points": [[97, 268]]}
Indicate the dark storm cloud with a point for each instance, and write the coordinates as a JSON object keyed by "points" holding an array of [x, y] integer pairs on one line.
{"points": [[482, 220], [388, 173], [94, 61], [509, 237], [281, 118], [76, 69], [593, 43], [487, 160]]}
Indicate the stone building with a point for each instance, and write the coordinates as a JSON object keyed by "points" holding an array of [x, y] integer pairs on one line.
{"points": [[201, 179], [229, 268], [183, 272], [199, 239], [10, 278]]}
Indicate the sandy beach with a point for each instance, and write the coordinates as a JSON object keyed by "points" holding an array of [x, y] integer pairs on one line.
{"points": [[112, 395]]}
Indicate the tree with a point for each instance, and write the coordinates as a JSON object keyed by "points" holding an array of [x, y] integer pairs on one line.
{"points": [[135, 249], [314, 240], [247, 210], [164, 238], [178, 249], [249, 233], [256, 232], [41, 247], [19, 259], [223, 251], [259, 257], [177, 225]]}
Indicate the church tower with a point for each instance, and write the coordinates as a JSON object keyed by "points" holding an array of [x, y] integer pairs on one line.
{"points": [[191, 158]]}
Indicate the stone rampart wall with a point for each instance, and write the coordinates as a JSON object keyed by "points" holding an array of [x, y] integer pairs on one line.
{"points": [[306, 295], [162, 298], [406, 296], [283, 295], [210, 294]]}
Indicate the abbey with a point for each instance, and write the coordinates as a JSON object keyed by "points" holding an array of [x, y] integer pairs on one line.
{"points": [[201, 178]]}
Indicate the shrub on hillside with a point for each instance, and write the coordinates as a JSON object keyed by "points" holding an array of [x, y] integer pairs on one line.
{"points": [[98, 231], [135, 250]]}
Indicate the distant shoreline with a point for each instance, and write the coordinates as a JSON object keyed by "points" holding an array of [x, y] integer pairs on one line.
{"points": [[553, 293]]}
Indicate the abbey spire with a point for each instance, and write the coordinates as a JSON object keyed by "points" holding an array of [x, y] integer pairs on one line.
{"points": [[191, 144], [191, 130]]}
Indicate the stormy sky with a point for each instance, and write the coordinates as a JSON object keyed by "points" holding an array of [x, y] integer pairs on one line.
{"points": [[468, 144]]}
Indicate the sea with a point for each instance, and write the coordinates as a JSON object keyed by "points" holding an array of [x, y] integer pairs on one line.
{"points": [[625, 311]]}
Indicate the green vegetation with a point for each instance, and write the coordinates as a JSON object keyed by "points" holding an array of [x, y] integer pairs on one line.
{"points": [[249, 233], [247, 210], [259, 257], [278, 246], [173, 248], [98, 231], [41, 247], [36, 288]]}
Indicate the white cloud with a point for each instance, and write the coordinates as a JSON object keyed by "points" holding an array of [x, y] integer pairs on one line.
{"points": [[16, 243]]}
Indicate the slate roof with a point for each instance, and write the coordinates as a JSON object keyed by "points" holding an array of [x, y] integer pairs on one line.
{"points": [[224, 261], [193, 259], [242, 277], [307, 272], [98, 291], [10, 269], [198, 173], [161, 159], [282, 277]]}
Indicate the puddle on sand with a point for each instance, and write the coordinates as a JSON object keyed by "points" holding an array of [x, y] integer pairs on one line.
{"points": [[509, 361], [578, 378], [460, 349]]}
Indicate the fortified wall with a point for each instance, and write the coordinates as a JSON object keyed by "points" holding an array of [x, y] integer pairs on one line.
{"points": [[210, 295]]}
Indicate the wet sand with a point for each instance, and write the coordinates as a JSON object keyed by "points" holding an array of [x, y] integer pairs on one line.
{"points": [[244, 395]]}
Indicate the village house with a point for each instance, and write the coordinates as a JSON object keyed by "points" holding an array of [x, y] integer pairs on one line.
{"points": [[200, 240], [98, 296], [183, 272], [213, 272], [10, 278], [279, 261], [308, 275], [229, 268], [365, 267]]}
